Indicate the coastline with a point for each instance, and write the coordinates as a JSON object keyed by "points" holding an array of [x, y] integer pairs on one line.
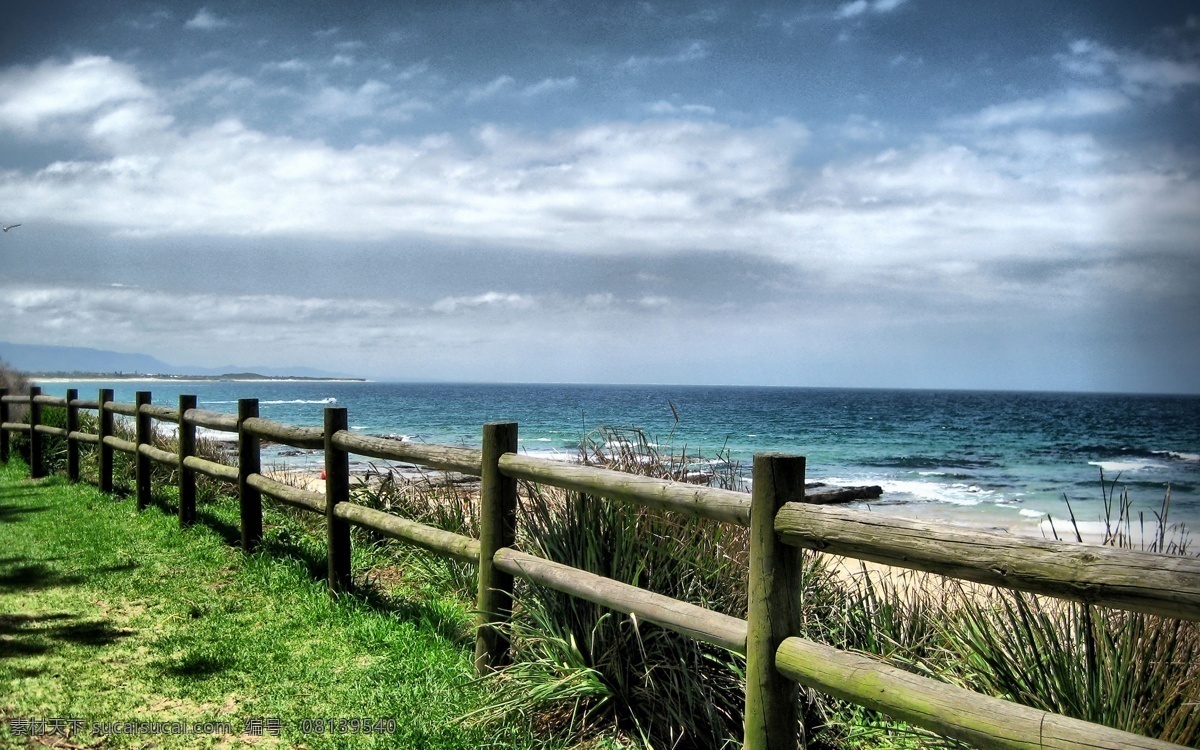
{"points": [[195, 379], [991, 462]]}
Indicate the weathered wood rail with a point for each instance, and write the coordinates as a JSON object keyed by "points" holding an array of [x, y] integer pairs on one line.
{"points": [[781, 523]]}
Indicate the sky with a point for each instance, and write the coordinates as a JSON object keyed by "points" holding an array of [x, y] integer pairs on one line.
{"points": [[873, 193]]}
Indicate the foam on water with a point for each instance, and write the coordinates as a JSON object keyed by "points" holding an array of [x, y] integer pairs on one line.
{"points": [[1124, 465], [957, 493], [1192, 457]]}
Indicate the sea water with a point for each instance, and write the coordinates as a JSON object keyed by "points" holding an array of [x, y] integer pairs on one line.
{"points": [[998, 459]]}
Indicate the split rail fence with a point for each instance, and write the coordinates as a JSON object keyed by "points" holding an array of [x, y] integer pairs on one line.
{"points": [[781, 526]]}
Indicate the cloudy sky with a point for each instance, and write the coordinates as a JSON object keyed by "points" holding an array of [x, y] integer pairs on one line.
{"points": [[895, 193]]}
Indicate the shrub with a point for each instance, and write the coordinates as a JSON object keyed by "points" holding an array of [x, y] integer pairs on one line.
{"points": [[17, 385]]}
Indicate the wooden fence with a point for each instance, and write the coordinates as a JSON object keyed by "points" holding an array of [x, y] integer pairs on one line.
{"points": [[780, 524]]}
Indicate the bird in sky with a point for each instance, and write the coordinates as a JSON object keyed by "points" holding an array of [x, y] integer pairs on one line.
{"points": [[11, 226]]}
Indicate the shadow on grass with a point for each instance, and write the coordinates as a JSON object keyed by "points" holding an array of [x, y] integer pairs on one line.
{"points": [[34, 576], [20, 495], [229, 533], [417, 611], [168, 509], [35, 635], [11, 515], [371, 592], [198, 665], [286, 546]]}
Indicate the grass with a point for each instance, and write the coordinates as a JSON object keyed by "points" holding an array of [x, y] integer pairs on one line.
{"points": [[108, 615]]}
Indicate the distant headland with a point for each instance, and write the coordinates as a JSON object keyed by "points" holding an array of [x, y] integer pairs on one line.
{"points": [[60, 376], [48, 363]]}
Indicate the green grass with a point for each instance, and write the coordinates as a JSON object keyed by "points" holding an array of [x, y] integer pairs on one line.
{"points": [[109, 615]]}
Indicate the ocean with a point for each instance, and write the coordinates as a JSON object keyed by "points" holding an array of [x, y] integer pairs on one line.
{"points": [[995, 459]]}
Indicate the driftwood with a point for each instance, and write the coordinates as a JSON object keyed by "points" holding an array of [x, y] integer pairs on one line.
{"points": [[819, 493]]}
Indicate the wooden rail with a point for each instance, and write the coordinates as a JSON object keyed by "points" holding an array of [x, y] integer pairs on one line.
{"points": [[780, 523], [1166, 585], [946, 709]]}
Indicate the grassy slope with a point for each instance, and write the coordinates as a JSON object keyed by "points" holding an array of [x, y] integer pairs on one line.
{"points": [[110, 615]]}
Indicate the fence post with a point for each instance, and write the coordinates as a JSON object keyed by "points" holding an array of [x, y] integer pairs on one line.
{"points": [[3, 432], [497, 529], [142, 427], [104, 428], [37, 466], [772, 714], [337, 490], [72, 443], [249, 462], [187, 477]]}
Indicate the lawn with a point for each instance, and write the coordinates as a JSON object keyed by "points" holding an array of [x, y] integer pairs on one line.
{"points": [[110, 618]]}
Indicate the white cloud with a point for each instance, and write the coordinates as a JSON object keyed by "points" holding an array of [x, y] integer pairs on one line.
{"points": [[371, 100], [1113, 81], [862, 128], [489, 89], [695, 50], [492, 300], [291, 66], [549, 86], [206, 21], [1063, 105], [506, 85], [30, 99], [663, 107], [859, 7], [852, 9], [1135, 73], [655, 186]]}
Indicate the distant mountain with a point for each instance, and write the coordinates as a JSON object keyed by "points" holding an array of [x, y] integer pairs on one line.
{"points": [[42, 358]]}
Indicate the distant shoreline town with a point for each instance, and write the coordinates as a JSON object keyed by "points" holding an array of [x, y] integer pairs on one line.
{"points": [[155, 377]]}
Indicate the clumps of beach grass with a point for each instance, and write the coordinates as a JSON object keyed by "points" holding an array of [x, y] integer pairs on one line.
{"points": [[582, 670], [1127, 670], [430, 498], [631, 450]]}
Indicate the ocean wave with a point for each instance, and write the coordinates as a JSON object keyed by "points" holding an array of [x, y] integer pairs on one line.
{"points": [[216, 436], [930, 462], [1124, 452], [328, 400], [958, 493], [1180, 456], [1119, 465]]}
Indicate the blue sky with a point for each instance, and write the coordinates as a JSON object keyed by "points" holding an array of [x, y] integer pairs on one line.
{"points": [[892, 193]]}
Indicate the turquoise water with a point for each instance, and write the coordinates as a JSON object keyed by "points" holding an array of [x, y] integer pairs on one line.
{"points": [[1000, 459]]}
